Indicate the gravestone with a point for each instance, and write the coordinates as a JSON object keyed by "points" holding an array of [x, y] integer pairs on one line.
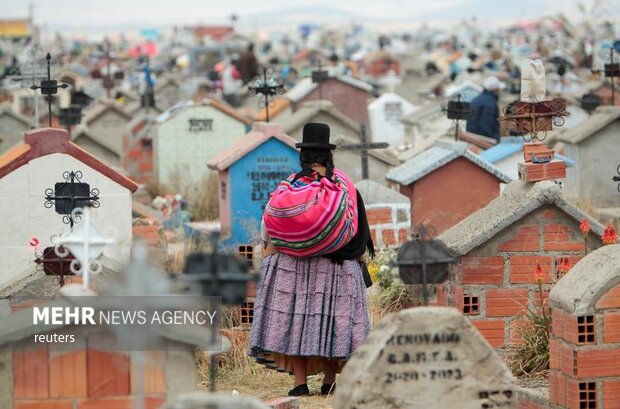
{"points": [[200, 400], [426, 357]]}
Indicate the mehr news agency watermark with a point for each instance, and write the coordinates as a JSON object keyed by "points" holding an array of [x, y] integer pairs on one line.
{"points": [[134, 320]]}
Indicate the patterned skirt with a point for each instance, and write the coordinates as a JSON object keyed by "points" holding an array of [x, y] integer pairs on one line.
{"points": [[308, 307]]}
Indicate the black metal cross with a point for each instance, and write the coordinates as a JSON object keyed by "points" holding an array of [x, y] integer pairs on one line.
{"points": [[49, 87], [319, 77], [457, 110], [363, 147], [69, 195], [70, 116], [267, 86]]}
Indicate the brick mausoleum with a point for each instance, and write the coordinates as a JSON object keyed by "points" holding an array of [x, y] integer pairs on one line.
{"points": [[500, 247]]}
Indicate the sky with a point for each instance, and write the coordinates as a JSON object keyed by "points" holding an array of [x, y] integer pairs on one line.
{"points": [[80, 14]]}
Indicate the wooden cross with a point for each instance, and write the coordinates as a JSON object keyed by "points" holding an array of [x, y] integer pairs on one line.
{"points": [[49, 87], [319, 77], [363, 147]]}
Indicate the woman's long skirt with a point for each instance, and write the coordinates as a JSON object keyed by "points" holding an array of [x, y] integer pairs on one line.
{"points": [[308, 307]]}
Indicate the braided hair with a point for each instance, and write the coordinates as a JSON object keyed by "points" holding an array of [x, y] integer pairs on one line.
{"points": [[323, 157]]}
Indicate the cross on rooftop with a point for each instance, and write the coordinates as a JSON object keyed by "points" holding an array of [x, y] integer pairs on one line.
{"points": [[363, 147], [49, 87], [28, 78], [86, 243], [457, 110], [319, 77], [267, 86]]}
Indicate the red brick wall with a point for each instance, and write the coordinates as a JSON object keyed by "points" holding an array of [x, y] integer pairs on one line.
{"points": [[351, 101], [574, 363], [389, 224], [501, 272], [450, 194], [137, 159], [83, 379]]}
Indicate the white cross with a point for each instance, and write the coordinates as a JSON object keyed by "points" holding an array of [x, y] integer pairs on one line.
{"points": [[29, 77], [86, 243]]}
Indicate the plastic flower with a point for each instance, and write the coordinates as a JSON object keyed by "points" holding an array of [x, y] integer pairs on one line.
{"points": [[585, 227], [609, 235], [539, 275]]}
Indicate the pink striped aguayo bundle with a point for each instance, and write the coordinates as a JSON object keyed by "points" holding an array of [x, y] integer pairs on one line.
{"points": [[312, 216]]}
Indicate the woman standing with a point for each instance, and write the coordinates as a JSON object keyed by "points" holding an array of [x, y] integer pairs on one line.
{"points": [[310, 313]]}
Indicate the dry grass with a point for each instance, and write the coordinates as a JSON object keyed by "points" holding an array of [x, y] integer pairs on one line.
{"points": [[238, 372], [530, 358]]}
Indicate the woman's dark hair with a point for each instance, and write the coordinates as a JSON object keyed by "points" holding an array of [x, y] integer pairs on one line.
{"points": [[321, 156]]}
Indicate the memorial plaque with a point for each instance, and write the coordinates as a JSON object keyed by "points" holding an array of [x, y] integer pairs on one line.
{"points": [[426, 357], [200, 125]]}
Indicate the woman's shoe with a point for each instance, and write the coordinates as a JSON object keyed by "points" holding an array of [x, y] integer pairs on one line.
{"points": [[299, 390], [328, 388]]}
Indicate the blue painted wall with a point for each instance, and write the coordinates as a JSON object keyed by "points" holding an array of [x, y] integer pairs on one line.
{"points": [[252, 178]]}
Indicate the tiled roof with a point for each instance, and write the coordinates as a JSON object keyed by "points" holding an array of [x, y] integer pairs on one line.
{"points": [[518, 199], [46, 141], [434, 158]]}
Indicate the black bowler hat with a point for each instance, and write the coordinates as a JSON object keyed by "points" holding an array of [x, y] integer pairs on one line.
{"points": [[315, 136]]}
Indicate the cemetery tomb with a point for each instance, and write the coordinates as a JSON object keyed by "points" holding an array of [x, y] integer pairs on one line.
{"points": [[445, 184], [385, 115], [593, 144], [584, 344], [500, 247], [263, 158], [188, 135], [41, 181], [349, 95], [101, 131], [425, 357]]}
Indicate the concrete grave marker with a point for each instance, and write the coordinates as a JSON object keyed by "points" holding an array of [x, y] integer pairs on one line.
{"points": [[427, 357]]}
